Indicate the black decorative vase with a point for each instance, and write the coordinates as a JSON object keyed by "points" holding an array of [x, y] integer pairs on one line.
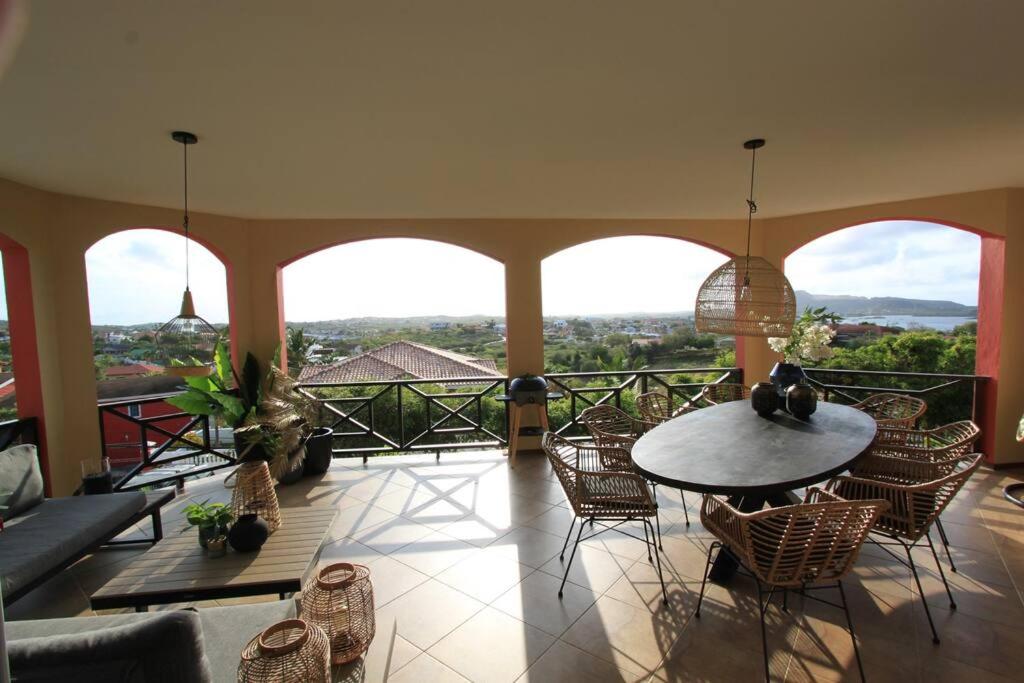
{"points": [[528, 389], [801, 401], [292, 475], [318, 451], [785, 375], [764, 398], [249, 533]]}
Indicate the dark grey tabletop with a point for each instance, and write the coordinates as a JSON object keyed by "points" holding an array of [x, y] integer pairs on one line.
{"points": [[729, 449]]}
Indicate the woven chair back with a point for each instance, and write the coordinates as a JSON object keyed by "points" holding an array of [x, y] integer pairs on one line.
{"points": [[653, 407], [724, 392], [607, 424], [893, 410], [933, 445]]}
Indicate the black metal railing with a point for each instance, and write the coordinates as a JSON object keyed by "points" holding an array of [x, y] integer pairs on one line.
{"points": [[200, 456], [949, 397], [405, 415], [21, 431], [581, 390]]}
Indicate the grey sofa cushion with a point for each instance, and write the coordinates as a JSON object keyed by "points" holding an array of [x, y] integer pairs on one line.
{"points": [[225, 630], [21, 478], [47, 535], [166, 648]]}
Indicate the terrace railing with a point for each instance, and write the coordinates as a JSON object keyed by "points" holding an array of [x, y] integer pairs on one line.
{"points": [[14, 432], [155, 465], [413, 415], [582, 390], [949, 397]]}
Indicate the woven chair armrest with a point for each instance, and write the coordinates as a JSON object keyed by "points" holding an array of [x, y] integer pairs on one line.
{"points": [[816, 494], [687, 407], [724, 521], [614, 486]]}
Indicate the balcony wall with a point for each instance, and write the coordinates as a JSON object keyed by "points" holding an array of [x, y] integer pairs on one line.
{"points": [[56, 230]]}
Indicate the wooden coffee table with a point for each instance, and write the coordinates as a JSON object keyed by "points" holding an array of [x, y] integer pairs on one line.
{"points": [[177, 570]]}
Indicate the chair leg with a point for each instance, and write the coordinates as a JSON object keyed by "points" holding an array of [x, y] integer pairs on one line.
{"points": [[704, 579], [571, 556], [945, 543], [686, 510], [661, 577], [763, 609], [942, 574], [657, 518], [567, 536], [920, 590], [647, 540], [849, 625]]}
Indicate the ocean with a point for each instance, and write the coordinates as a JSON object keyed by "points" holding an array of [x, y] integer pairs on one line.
{"points": [[936, 322]]}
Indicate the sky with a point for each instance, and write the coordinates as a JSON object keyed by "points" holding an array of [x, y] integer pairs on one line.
{"points": [[137, 276]]}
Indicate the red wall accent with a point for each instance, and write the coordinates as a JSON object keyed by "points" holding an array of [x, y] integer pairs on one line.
{"points": [[990, 332]]}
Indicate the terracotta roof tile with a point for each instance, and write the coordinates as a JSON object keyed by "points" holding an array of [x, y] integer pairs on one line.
{"points": [[400, 359]]}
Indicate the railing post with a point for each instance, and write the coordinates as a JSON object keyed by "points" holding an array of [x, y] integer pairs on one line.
{"points": [[103, 435]]}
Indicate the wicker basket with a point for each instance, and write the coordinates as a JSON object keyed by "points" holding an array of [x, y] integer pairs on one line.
{"points": [[254, 494], [340, 601], [290, 651]]}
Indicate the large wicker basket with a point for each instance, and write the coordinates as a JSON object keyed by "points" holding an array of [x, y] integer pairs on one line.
{"points": [[340, 601], [254, 493], [290, 651]]}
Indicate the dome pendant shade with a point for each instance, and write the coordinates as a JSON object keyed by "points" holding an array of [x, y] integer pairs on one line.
{"points": [[746, 296], [189, 340]]}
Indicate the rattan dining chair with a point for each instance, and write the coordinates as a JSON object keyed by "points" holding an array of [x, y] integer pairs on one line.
{"points": [[938, 445], [596, 495], [808, 546], [655, 408], [609, 426], [893, 410], [918, 492], [723, 392]]}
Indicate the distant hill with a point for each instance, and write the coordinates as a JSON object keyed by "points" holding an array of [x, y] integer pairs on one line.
{"points": [[847, 306]]}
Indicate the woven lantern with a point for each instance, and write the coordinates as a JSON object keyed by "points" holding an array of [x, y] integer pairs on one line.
{"points": [[290, 651], [254, 493], [747, 295], [340, 601]]}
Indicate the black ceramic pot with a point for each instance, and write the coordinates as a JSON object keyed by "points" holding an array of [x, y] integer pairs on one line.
{"points": [[318, 451], [785, 375], [801, 401], [528, 389], [248, 534], [292, 475], [764, 398]]}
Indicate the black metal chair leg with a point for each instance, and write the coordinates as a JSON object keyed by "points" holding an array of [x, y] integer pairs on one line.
{"points": [[763, 609], [785, 600], [647, 540], [565, 545], [686, 509], [945, 543], [849, 625], [920, 590], [704, 579], [571, 556], [942, 574], [657, 518], [661, 577]]}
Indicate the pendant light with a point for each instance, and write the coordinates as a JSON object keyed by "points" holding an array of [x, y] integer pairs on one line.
{"points": [[747, 295], [187, 341]]}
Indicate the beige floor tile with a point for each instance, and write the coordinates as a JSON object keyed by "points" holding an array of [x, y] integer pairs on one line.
{"points": [[388, 653], [352, 520], [434, 553], [555, 521], [348, 550], [425, 668], [476, 531], [591, 568], [429, 612], [389, 536], [567, 664], [632, 547], [535, 600], [392, 579], [640, 586], [484, 575], [517, 646], [628, 637], [528, 546]]}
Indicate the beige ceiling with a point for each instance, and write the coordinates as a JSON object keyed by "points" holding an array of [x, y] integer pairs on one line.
{"points": [[520, 108]]}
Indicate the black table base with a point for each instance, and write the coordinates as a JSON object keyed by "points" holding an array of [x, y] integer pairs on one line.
{"points": [[725, 565]]}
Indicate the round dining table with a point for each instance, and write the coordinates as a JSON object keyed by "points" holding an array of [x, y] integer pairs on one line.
{"points": [[730, 450]]}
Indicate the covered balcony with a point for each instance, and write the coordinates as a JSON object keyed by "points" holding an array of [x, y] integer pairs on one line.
{"points": [[516, 132]]}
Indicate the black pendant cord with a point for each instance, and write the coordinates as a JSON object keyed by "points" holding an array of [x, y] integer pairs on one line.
{"points": [[184, 222], [751, 210]]}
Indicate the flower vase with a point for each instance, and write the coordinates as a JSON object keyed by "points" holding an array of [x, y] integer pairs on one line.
{"points": [[254, 494], [785, 375]]}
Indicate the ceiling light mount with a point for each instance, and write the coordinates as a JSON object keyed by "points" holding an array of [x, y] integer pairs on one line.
{"points": [[186, 138]]}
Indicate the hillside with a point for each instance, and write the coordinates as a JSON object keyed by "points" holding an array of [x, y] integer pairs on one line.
{"points": [[846, 305]]}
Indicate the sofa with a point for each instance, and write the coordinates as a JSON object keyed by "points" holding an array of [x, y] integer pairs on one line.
{"points": [[181, 646], [41, 536]]}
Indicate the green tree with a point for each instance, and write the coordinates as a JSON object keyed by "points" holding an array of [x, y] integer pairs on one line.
{"points": [[298, 346]]}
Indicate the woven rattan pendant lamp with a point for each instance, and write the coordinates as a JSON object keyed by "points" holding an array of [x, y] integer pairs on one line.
{"points": [[746, 295], [187, 341]]}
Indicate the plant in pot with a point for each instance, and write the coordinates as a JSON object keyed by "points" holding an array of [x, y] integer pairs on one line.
{"points": [[319, 441], [212, 519], [809, 341]]}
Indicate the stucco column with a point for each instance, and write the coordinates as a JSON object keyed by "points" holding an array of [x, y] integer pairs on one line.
{"points": [[264, 295], [524, 314]]}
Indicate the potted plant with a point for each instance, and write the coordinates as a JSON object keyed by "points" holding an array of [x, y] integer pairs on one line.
{"points": [[211, 518], [809, 341], [318, 443]]}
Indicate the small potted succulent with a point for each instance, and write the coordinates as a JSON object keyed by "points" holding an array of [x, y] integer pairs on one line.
{"points": [[211, 518]]}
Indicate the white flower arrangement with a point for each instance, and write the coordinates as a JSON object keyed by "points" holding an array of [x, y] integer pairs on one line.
{"points": [[810, 340]]}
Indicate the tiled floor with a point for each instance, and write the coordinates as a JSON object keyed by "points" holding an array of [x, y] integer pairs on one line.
{"points": [[464, 559]]}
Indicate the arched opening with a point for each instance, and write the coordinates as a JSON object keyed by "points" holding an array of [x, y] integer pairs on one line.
{"points": [[913, 296], [624, 304], [377, 328], [135, 280]]}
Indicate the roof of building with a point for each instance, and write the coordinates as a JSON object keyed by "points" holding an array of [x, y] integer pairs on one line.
{"points": [[134, 370], [398, 360], [138, 386]]}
